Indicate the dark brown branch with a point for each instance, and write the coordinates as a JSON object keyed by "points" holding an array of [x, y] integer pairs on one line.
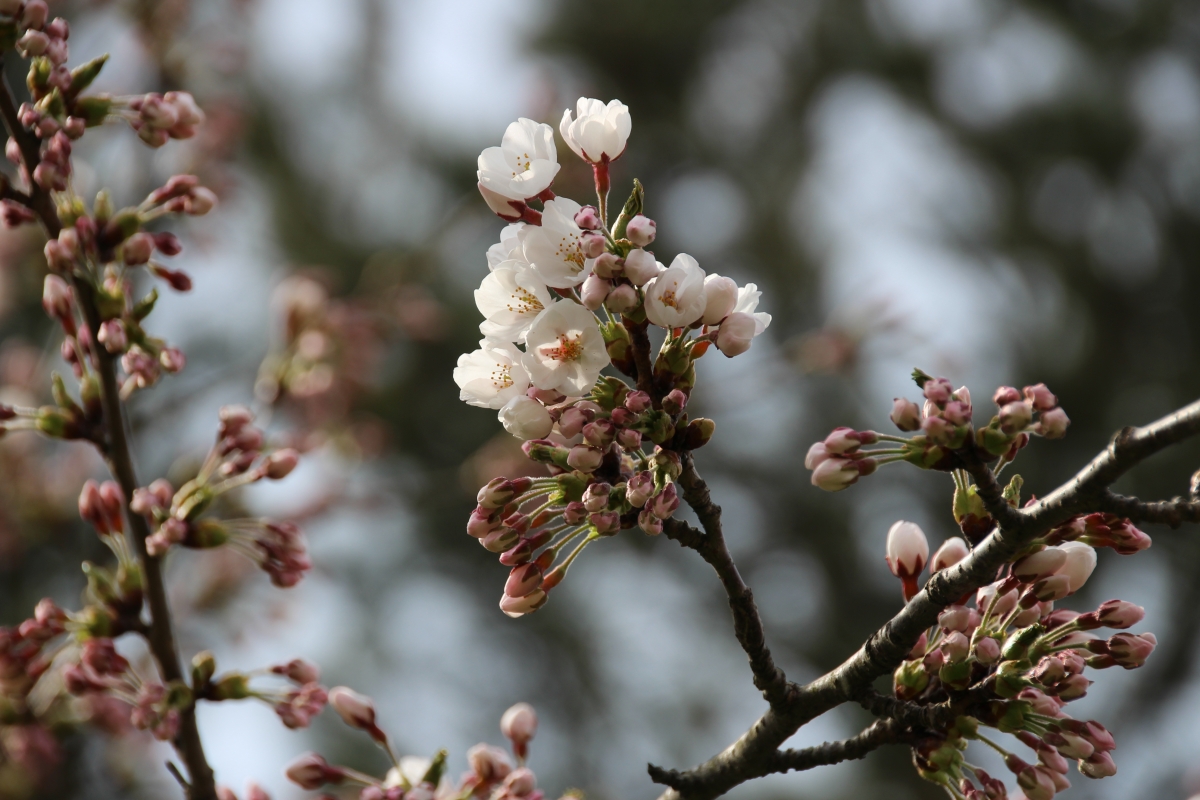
{"points": [[1173, 512], [120, 461], [753, 754], [640, 343]]}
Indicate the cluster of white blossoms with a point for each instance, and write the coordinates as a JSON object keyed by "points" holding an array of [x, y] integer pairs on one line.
{"points": [[556, 267]]}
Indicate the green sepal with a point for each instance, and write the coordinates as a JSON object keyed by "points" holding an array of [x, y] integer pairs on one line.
{"points": [[143, 307], [1012, 492], [191, 500], [206, 534], [234, 686], [204, 666], [92, 110], [437, 768], [83, 75], [571, 486], [633, 207], [920, 377], [1017, 645]]}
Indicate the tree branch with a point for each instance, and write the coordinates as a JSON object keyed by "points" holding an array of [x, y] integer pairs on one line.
{"points": [[754, 753], [117, 452], [1173, 512]]}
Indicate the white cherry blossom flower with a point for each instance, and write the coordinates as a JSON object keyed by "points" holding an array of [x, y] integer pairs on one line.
{"points": [[747, 302], [675, 297], [720, 297], [510, 298], [599, 132], [508, 248], [564, 349], [525, 163], [553, 248], [492, 375]]}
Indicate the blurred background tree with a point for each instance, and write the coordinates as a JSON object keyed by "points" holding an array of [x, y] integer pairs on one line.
{"points": [[996, 191]]}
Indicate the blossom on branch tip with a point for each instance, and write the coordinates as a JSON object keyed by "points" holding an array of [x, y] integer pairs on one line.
{"points": [[720, 297], [526, 418], [525, 163], [510, 298], [598, 132]]}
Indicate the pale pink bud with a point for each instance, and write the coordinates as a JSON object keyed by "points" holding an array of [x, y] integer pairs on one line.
{"points": [[637, 401], [1119, 614], [1053, 423], [299, 671], [952, 551], [595, 496], [523, 580], [588, 218], [1015, 417], [607, 265], [937, 391], [629, 439], [816, 454], [520, 606], [1041, 397], [281, 463], [1049, 589], [34, 14], [571, 422], [1098, 765], [955, 646], [574, 513], [621, 299], [1132, 650], [1080, 563], [356, 710], [490, 764], [640, 266], [56, 300], [1041, 564], [907, 549], [987, 650], [649, 523], [592, 244], [641, 230], [736, 334], [112, 336], [906, 415], [665, 502], [957, 413], [519, 724], [508, 210], [585, 458], [955, 618], [720, 296], [199, 202], [593, 292], [834, 474], [310, 771], [605, 522], [639, 489], [1006, 603], [842, 441]]}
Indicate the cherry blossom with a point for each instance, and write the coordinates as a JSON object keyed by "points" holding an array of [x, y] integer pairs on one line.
{"points": [[492, 375], [525, 163]]}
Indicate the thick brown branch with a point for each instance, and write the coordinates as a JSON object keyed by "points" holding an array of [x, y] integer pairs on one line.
{"points": [[1173, 512], [120, 461], [752, 754], [640, 344]]}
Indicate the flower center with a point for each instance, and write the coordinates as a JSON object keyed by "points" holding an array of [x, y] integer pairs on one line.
{"points": [[524, 302], [570, 252], [668, 299], [569, 348], [502, 377], [523, 162]]}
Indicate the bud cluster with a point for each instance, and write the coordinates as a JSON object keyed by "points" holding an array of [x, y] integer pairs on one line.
{"points": [[1009, 660], [296, 702], [492, 773], [601, 481], [237, 459], [942, 428]]}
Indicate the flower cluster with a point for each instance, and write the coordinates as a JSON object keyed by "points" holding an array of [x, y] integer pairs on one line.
{"points": [[492, 773], [553, 270], [236, 460], [296, 703], [945, 428], [1011, 661]]}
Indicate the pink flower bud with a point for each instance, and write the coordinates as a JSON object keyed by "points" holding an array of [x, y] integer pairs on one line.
{"points": [[952, 551], [605, 522], [957, 413], [955, 618], [1053, 423], [57, 301], [574, 513], [137, 249], [593, 292], [588, 218], [607, 265], [356, 710], [641, 230], [987, 650], [1048, 589], [841, 441], [674, 402], [310, 771], [816, 454], [571, 422], [664, 504], [595, 496], [1041, 564], [34, 14], [520, 606], [640, 266], [649, 523], [592, 244], [519, 724], [907, 549], [523, 580], [1098, 765], [937, 391], [1041, 397], [956, 646], [1015, 417], [585, 458], [906, 415], [1132, 650], [637, 401], [299, 671], [629, 439], [482, 522], [736, 334], [834, 474], [639, 489], [720, 297], [621, 299], [167, 243], [1119, 614], [281, 463], [490, 764]]}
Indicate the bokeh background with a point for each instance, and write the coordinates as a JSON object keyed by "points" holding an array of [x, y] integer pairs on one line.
{"points": [[996, 191]]}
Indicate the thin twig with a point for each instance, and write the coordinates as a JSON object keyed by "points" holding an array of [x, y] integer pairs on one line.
{"points": [[120, 461]]}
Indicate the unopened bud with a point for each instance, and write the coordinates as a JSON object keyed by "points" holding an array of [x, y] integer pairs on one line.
{"points": [[906, 415], [641, 230]]}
